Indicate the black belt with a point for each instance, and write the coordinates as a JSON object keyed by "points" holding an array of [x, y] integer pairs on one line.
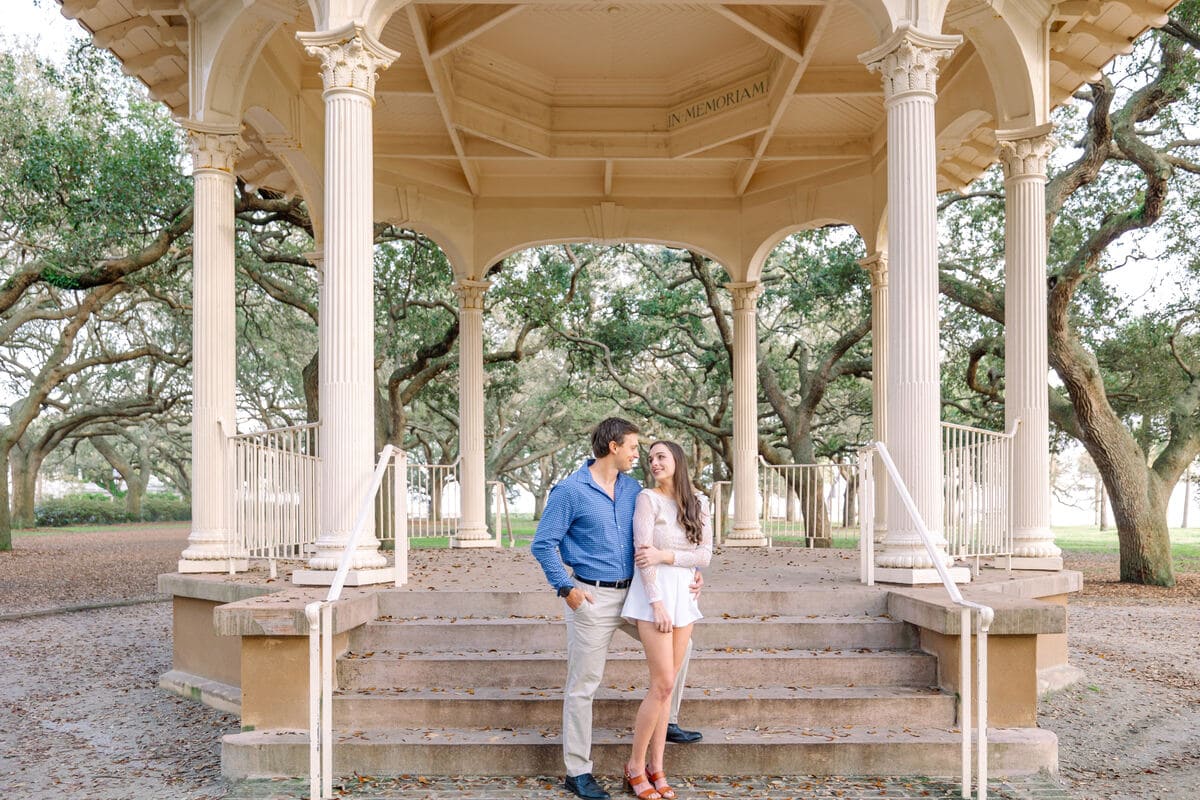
{"points": [[606, 584]]}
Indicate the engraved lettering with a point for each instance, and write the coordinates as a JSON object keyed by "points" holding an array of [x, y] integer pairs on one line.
{"points": [[717, 102]]}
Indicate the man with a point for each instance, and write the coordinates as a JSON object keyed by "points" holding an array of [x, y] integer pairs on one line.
{"points": [[588, 525]]}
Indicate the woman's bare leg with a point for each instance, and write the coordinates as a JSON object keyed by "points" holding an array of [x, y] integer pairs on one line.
{"points": [[660, 658], [658, 743]]}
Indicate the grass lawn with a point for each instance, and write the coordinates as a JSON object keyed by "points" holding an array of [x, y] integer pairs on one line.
{"points": [[96, 528], [1185, 542]]}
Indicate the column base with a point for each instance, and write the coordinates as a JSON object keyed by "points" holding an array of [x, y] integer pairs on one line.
{"points": [[458, 542], [1045, 564], [355, 577], [910, 576], [192, 566], [758, 541]]}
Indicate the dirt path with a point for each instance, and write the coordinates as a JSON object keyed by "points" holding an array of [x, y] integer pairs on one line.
{"points": [[1128, 730], [48, 569]]}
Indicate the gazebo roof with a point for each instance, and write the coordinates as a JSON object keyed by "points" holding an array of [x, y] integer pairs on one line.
{"points": [[625, 98]]}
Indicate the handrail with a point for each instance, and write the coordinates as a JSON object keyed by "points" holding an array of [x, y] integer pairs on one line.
{"points": [[985, 615], [320, 649]]}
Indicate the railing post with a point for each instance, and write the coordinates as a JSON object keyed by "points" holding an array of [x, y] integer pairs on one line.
{"points": [[964, 694], [400, 510], [327, 700], [981, 715], [312, 612]]}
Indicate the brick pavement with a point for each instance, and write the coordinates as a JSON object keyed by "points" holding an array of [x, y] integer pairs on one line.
{"points": [[1032, 787]]}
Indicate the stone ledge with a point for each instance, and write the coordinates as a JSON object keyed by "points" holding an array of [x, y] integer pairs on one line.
{"points": [[282, 613], [1031, 584], [217, 588], [214, 694], [933, 610]]}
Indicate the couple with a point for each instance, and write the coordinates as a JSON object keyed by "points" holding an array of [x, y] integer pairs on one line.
{"points": [[600, 523]]}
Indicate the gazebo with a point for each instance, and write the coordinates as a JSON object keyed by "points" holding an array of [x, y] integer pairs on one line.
{"points": [[724, 127]]}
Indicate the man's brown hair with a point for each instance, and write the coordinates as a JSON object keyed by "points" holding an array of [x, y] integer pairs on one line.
{"points": [[613, 429]]}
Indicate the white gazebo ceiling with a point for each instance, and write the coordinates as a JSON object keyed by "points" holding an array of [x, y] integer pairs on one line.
{"points": [[604, 99]]}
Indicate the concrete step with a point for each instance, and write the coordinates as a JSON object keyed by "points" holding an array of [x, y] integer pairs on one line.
{"points": [[729, 751], [810, 632], [714, 601], [723, 667], [614, 707]]}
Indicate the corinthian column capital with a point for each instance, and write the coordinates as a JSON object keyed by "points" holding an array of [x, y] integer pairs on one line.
{"points": [[1025, 153], [350, 58], [908, 61], [876, 265], [470, 293], [213, 148], [745, 294]]}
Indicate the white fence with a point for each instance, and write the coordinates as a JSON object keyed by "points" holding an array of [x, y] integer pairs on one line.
{"points": [[274, 492], [812, 501], [433, 502], [977, 470]]}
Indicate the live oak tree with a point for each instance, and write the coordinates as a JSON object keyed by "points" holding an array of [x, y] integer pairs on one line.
{"points": [[1125, 192]]}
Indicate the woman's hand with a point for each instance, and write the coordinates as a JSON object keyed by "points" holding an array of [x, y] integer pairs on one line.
{"points": [[662, 620], [648, 555]]}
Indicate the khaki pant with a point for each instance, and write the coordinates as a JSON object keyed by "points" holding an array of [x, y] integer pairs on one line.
{"points": [[590, 629]]}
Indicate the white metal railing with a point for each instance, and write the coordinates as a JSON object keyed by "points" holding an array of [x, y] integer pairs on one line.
{"points": [[983, 615], [809, 500], [500, 519], [274, 492], [977, 472], [320, 623], [432, 504]]}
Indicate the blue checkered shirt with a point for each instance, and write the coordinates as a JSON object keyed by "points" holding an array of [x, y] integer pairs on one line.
{"points": [[587, 530]]}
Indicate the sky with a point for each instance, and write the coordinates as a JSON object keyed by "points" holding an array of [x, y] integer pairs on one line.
{"points": [[40, 21]]}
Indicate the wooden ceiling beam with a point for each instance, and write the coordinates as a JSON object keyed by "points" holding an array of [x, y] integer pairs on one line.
{"points": [[781, 93], [768, 26], [853, 81], [465, 23], [443, 92]]}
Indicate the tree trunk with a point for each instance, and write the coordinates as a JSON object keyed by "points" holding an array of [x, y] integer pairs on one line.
{"points": [[539, 503], [5, 517], [1136, 490], [310, 375], [1140, 511], [24, 482], [133, 499], [850, 517], [436, 485]]}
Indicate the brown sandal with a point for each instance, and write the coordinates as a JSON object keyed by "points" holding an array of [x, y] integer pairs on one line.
{"points": [[634, 784], [660, 784]]}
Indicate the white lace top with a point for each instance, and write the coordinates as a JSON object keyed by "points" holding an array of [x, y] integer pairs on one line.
{"points": [[656, 522]]}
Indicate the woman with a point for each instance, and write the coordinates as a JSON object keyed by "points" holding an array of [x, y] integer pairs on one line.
{"points": [[672, 531]]}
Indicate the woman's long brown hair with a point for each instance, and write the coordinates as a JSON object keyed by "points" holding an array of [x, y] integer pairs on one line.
{"points": [[690, 510]]}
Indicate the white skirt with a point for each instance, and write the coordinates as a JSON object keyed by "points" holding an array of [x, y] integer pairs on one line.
{"points": [[673, 585]]}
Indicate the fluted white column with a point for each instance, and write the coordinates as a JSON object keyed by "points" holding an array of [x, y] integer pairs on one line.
{"points": [[214, 359], [1026, 366], [876, 265], [350, 61], [908, 64], [472, 524], [746, 530]]}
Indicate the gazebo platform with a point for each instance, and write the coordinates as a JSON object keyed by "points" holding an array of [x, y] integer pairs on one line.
{"points": [[798, 669]]}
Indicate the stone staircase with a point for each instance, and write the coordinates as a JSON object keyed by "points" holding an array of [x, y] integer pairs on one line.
{"points": [[811, 681]]}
